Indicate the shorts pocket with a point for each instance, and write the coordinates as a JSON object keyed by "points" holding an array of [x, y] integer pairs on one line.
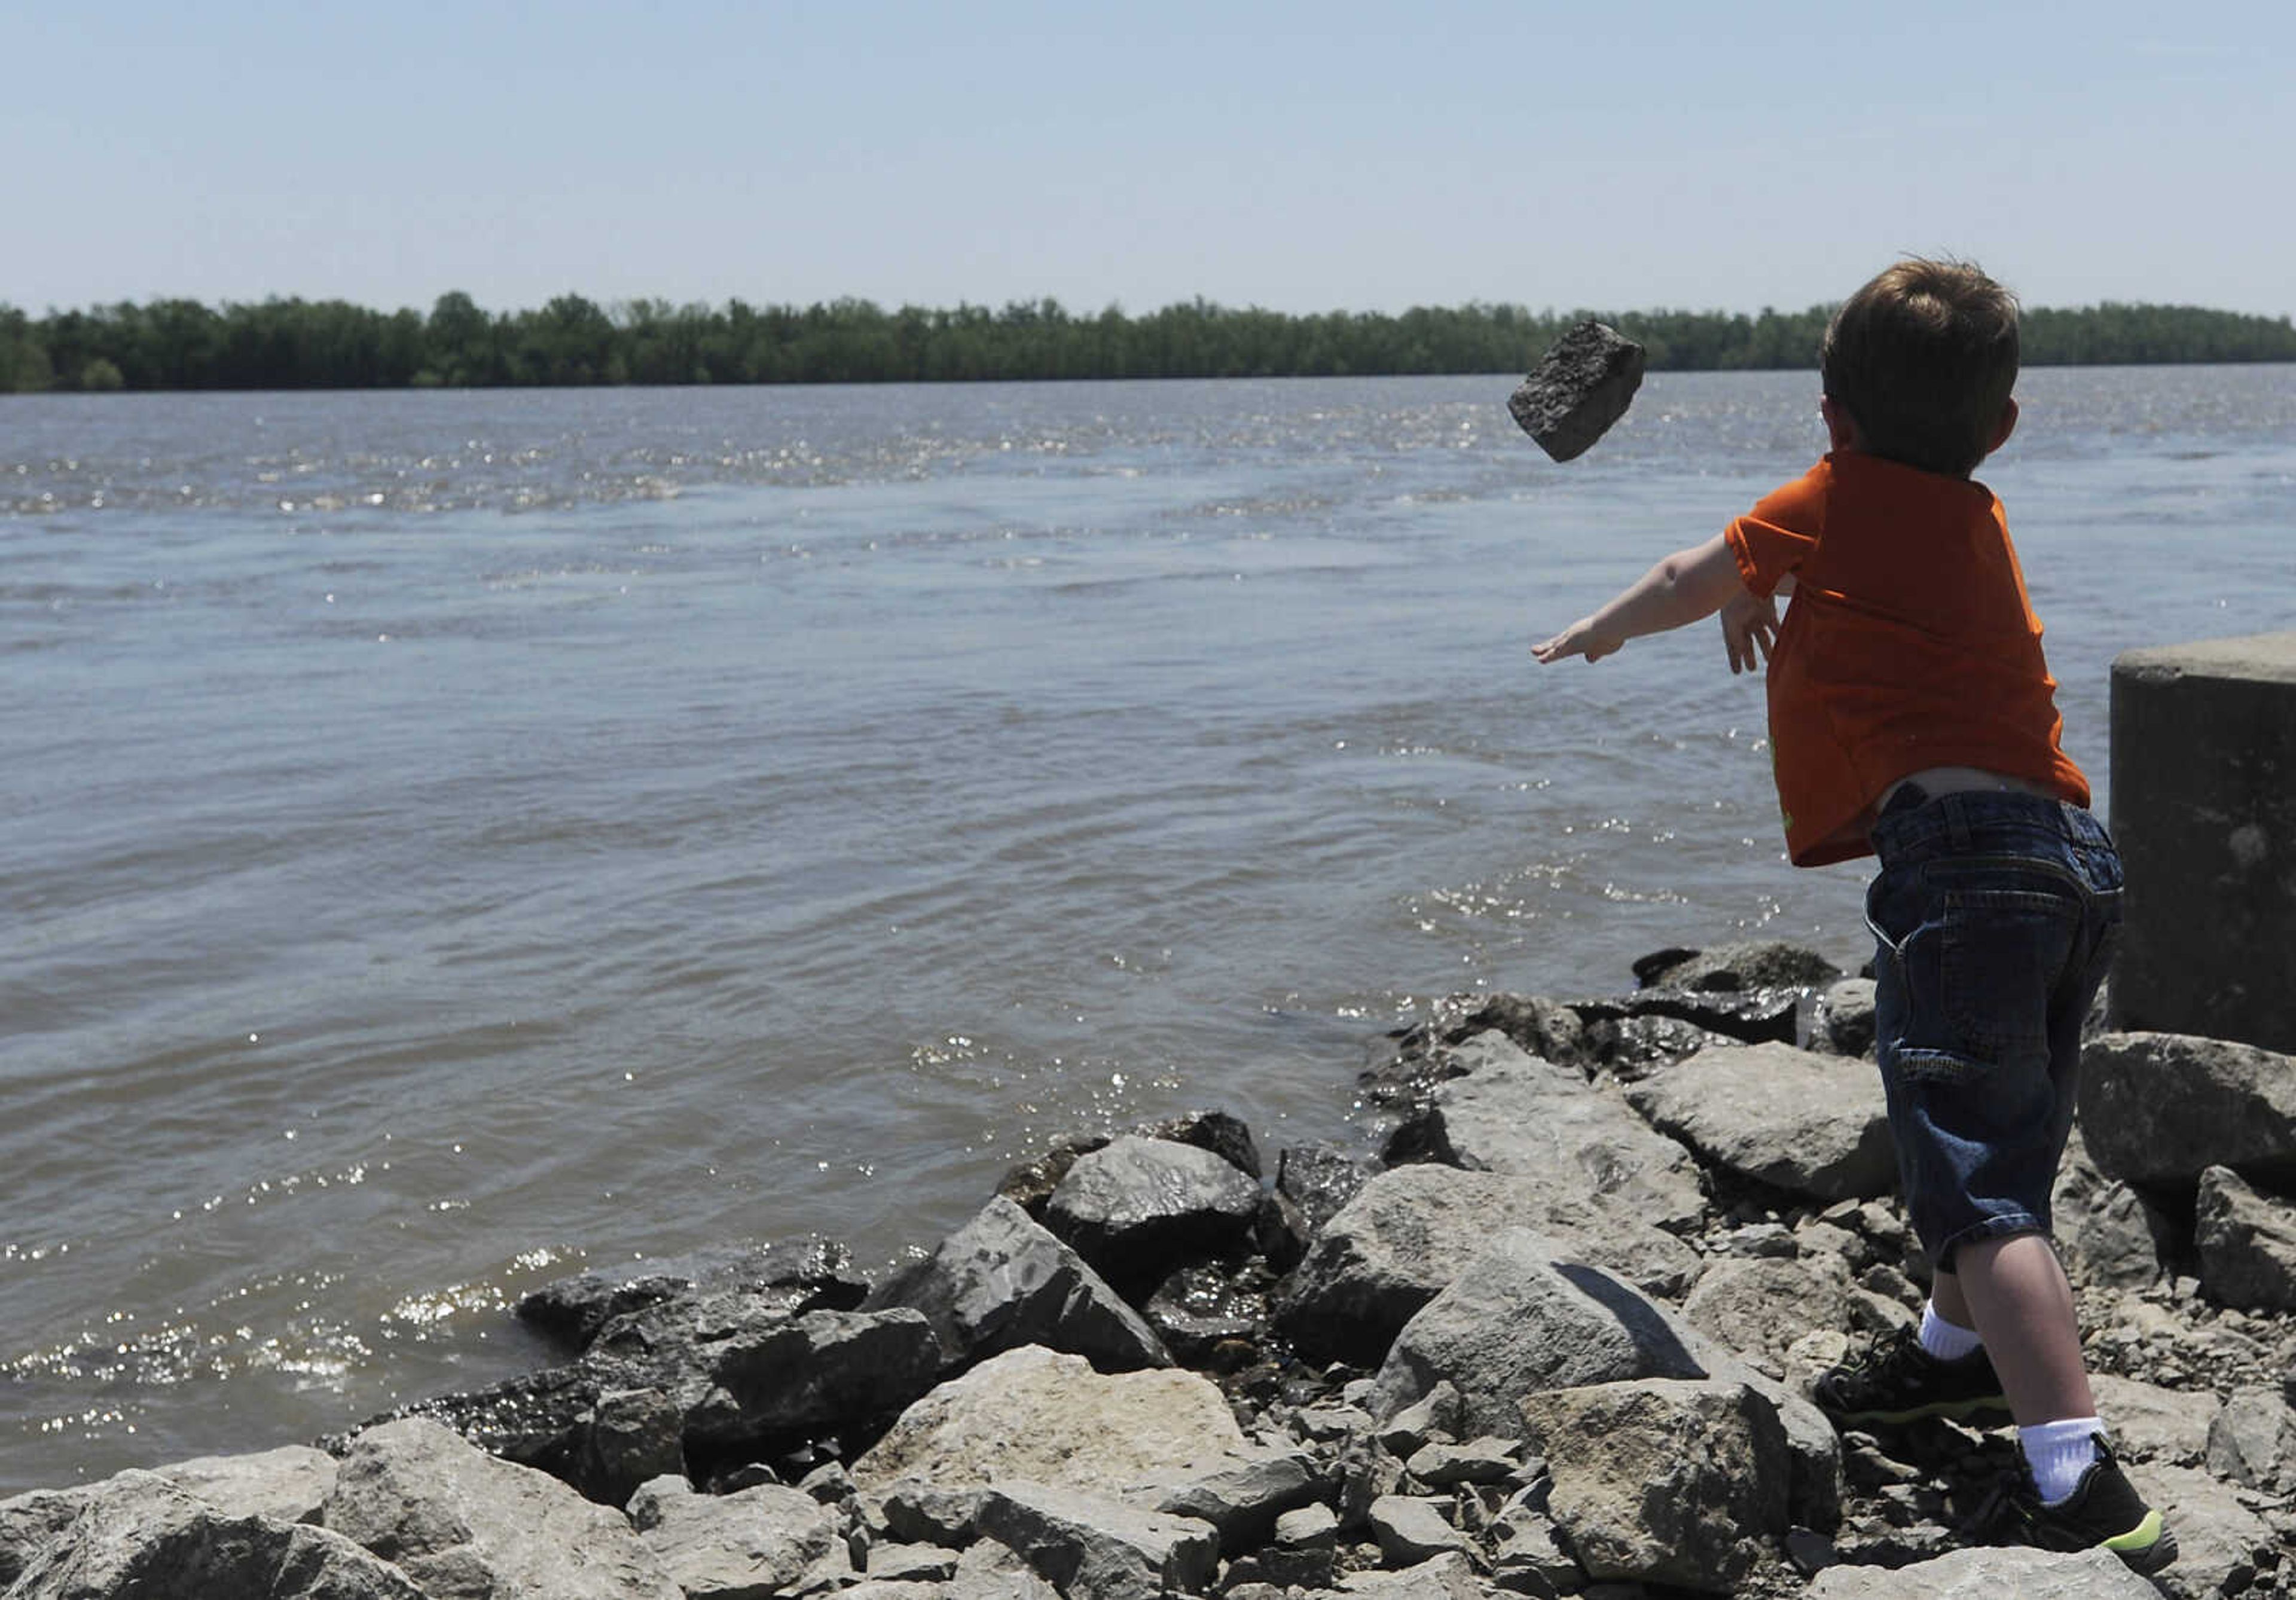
{"points": [[2001, 954]]}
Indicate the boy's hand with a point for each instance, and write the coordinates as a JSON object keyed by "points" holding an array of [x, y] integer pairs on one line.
{"points": [[1749, 624], [1582, 637]]}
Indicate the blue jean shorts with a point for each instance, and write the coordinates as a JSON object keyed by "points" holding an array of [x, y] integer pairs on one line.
{"points": [[1995, 915]]}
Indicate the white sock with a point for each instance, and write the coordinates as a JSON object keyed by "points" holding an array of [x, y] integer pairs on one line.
{"points": [[1947, 1341], [2058, 1453]]}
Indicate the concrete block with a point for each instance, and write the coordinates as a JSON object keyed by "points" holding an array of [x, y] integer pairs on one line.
{"points": [[2204, 809]]}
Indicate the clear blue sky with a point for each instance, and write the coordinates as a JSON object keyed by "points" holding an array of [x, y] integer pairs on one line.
{"points": [[1301, 157]]}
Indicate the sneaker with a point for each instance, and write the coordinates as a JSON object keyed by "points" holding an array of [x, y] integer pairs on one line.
{"points": [[1896, 1380], [2104, 1511]]}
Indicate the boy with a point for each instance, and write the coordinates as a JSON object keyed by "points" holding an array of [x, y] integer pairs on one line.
{"points": [[1912, 717]]}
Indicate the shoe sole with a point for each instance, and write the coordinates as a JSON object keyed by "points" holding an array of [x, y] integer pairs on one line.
{"points": [[2146, 1547], [1936, 1410]]}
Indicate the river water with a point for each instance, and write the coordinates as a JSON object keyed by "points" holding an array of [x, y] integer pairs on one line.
{"points": [[453, 838]]}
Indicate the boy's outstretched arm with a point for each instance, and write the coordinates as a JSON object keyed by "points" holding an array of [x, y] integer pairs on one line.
{"points": [[1684, 587]]}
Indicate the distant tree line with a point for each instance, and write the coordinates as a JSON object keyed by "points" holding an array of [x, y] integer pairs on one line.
{"points": [[177, 344]]}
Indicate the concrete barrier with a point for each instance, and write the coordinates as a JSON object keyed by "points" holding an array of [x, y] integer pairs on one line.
{"points": [[2204, 808]]}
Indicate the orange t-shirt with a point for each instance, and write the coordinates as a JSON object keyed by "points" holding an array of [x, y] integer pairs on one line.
{"points": [[1909, 643]]}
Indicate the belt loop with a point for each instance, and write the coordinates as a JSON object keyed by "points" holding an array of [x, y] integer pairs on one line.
{"points": [[1956, 824]]}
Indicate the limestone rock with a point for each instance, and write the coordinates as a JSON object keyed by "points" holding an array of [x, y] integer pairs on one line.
{"points": [[1243, 1498], [1486, 1458], [1516, 1114], [910, 1563], [2247, 1243], [1450, 1576], [744, 1546], [792, 1276], [1001, 1281], [2107, 1233], [1225, 1136], [2148, 1422], [1664, 1480], [1410, 1530], [635, 1435], [929, 1513], [1033, 1414], [139, 1538], [742, 1375], [1743, 965], [1581, 386], [1841, 1022], [2252, 1441], [1723, 1016], [1320, 1179], [988, 1571], [288, 1485], [1809, 1124], [1988, 1574], [460, 1522], [1401, 1242], [1521, 1317], [1091, 1548], [2160, 1109], [1137, 1207], [2220, 1542], [30, 1523], [1760, 1307]]}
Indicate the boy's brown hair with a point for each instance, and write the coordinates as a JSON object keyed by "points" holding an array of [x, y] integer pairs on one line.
{"points": [[1923, 358]]}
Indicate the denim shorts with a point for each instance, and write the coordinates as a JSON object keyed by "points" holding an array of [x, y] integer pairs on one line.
{"points": [[1995, 915]]}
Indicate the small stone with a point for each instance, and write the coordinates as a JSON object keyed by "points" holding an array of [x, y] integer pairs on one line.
{"points": [[1310, 1528], [1410, 1530], [1483, 1460]]}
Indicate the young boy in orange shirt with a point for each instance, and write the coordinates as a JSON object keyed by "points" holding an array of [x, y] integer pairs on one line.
{"points": [[1912, 717]]}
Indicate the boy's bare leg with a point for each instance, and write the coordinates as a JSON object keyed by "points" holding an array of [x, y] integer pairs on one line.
{"points": [[2013, 1292]]}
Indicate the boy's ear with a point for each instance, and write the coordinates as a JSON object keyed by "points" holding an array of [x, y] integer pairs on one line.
{"points": [[1841, 427], [2007, 426]]}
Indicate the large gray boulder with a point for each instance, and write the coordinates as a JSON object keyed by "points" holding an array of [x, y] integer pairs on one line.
{"points": [[2107, 1233], [1517, 1115], [2247, 1243], [462, 1523], [744, 1546], [139, 1538], [1136, 1207], [30, 1523], [286, 1485], [1761, 1306], [289, 1484], [794, 1276], [1402, 1241], [1001, 1281], [1034, 1414], [2160, 1109], [741, 1372], [714, 1372], [1812, 1125], [1664, 1480], [1094, 1548], [1989, 1574], [2220, 1542], [2150, 1423], [1521, 1317]]}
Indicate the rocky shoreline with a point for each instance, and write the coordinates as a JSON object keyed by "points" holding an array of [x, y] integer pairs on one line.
{"points": [[1556, 1338]]}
